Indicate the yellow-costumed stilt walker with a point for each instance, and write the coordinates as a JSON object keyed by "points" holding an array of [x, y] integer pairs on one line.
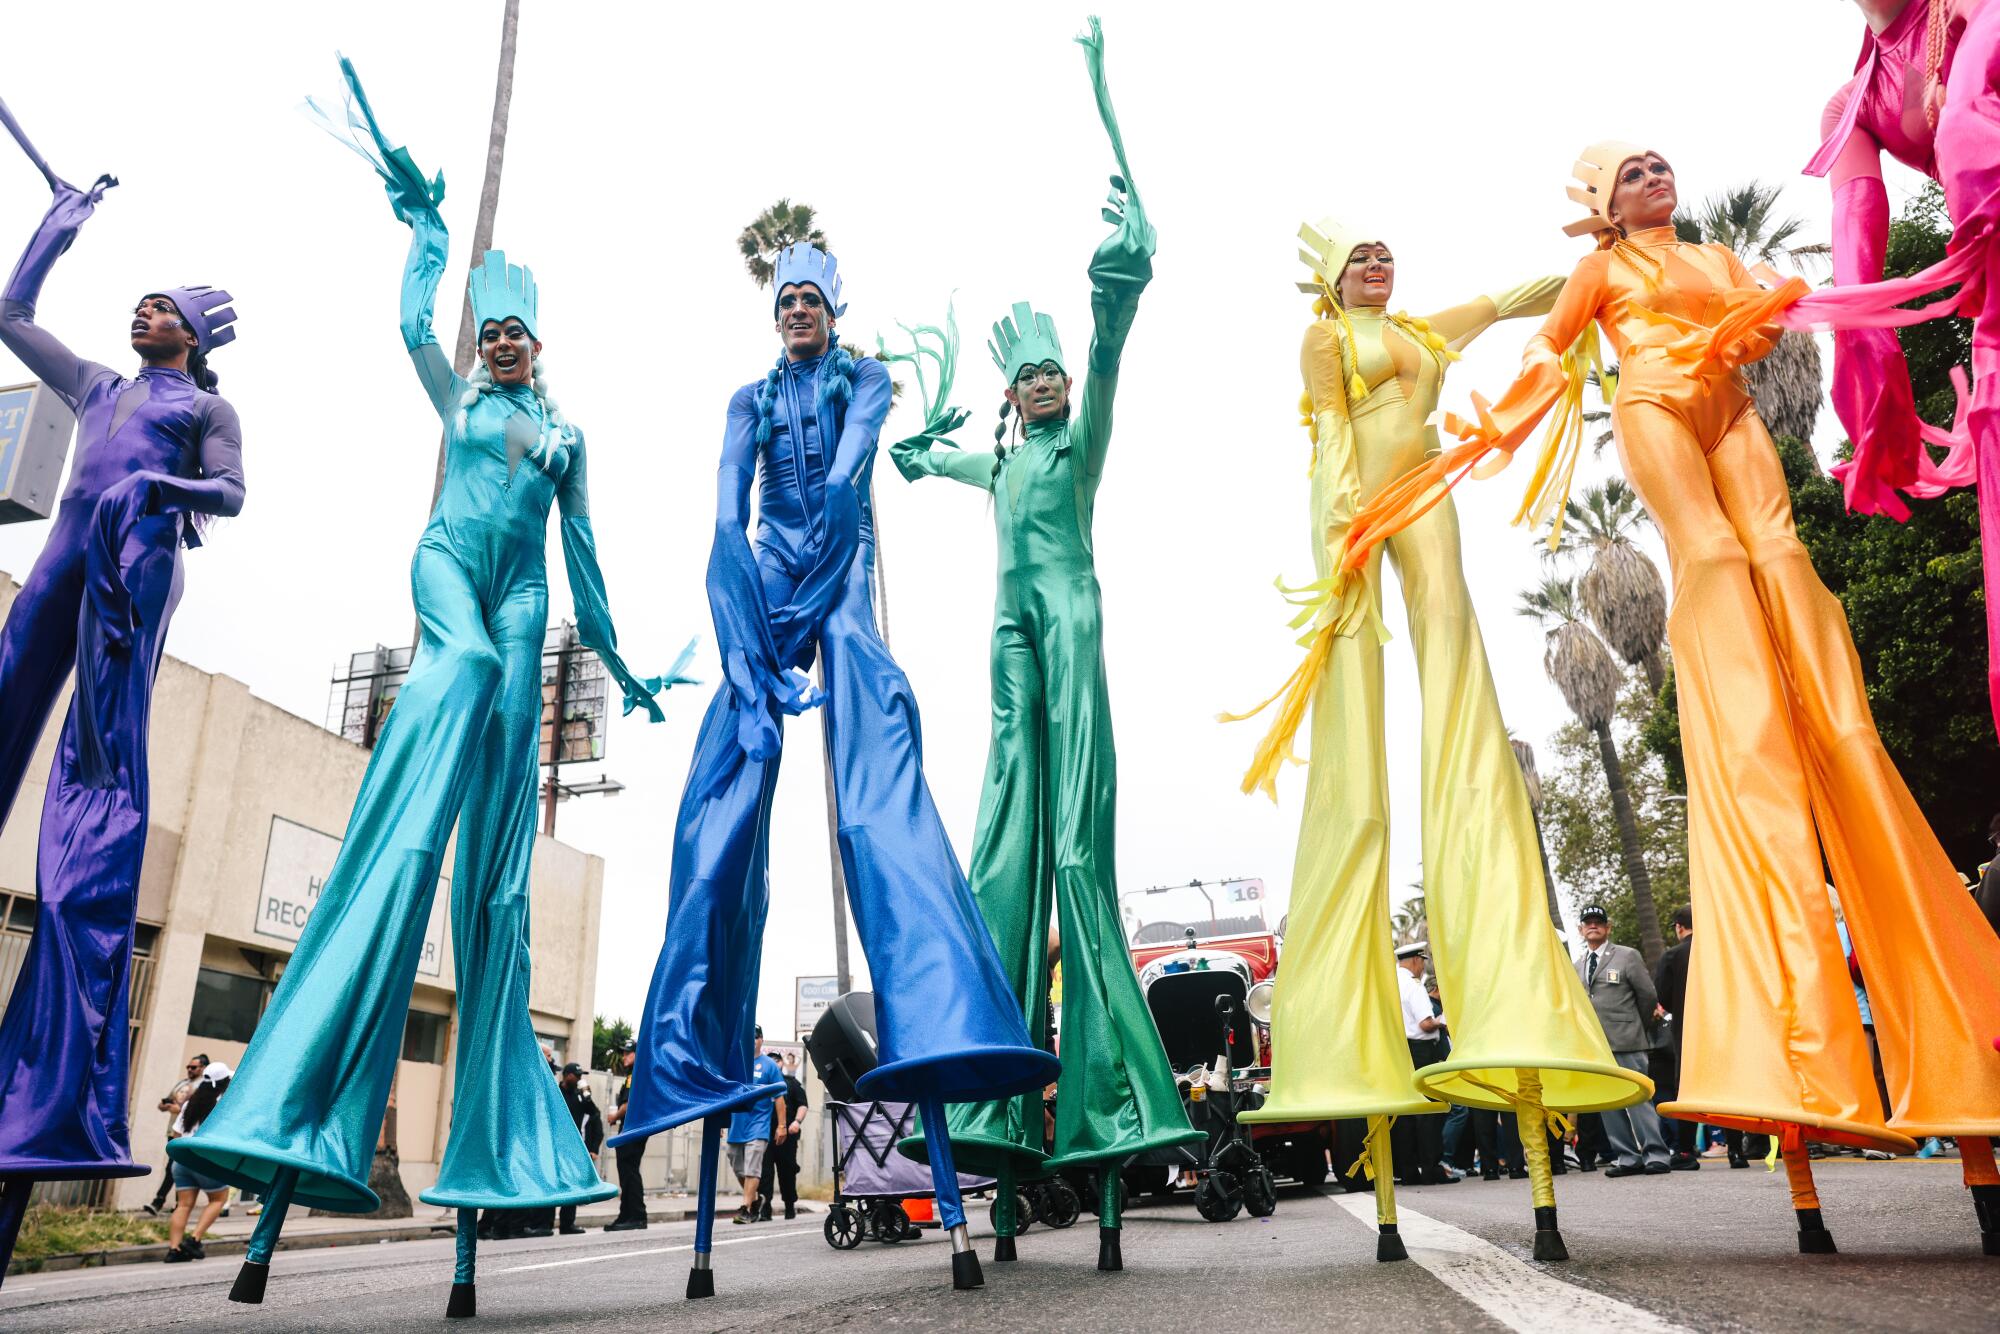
{"points": [[1524, 1036]]}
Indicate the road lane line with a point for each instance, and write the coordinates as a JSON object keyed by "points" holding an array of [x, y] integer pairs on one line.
{"points": [[1517, 1295], [660, 1250]]}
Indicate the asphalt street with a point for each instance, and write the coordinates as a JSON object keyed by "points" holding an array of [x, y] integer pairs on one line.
{"points": [[1708, 1250]]}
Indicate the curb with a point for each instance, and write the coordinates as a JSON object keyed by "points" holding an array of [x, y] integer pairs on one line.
{"points": [[227, 1246]]}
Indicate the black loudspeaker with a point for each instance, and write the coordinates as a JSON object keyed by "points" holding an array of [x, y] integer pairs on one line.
{"points": [[842, 1044]]}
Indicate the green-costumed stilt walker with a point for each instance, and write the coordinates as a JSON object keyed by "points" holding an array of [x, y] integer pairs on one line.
{"points": [[1047, 816]]}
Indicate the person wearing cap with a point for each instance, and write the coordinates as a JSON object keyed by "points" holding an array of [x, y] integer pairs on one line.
{"points": [[781, 1172], [458, 750], [630, 1154], [190, 1182], [575, 1093], [1417, 1142], [1621, 991], [158, 454], [1784, 764], [753, 1129], [1048, 808]]}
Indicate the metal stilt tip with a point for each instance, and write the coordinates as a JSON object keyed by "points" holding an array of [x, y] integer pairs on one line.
{"points": [[965, 1274], [701, 1282], [250, 1281], [464, 1302], [1389, 1244], [1548, 1238], [1814, 1239], [1110, 1258], [1003, 1249]]}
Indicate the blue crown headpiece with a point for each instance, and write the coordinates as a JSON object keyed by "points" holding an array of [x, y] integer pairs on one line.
{"points": [[206, 311], [1024, 339], [500, 289], [808, 264]]}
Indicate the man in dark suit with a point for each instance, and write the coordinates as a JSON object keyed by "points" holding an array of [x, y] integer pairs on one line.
{"points": [[567, 1081], [1670, 980], [1621, 991], [631, 1187]]}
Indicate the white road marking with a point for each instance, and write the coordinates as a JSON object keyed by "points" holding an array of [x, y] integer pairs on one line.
{"points": [[661, 1250], [1517, 1295]]}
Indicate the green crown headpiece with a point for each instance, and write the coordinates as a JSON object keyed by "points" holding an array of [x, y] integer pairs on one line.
{"points": [[500, 289], [1024, 339]]}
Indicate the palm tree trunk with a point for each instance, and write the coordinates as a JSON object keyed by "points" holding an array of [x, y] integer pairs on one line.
{"points": [[1656, 673], [1548, 877], [1650, 942]]}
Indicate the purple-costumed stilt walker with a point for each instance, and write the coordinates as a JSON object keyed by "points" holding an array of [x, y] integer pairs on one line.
{"points": [[153, 451]]}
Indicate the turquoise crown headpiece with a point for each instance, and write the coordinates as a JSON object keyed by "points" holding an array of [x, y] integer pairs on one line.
{"points": [[1024, 339], [804, 263], [500, 289]]}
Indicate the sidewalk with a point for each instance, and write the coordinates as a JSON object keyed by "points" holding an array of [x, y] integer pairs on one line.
{"points": [[231, 1236]]}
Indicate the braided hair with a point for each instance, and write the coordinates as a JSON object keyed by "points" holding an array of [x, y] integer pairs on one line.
{"points": [[198, 371], [836, 385]]}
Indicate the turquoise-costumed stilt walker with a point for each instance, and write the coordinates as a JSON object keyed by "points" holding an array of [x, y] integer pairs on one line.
{"points": [[460, 748], [1048, 812]]}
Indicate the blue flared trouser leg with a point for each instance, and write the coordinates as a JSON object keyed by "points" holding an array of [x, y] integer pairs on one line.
{"points": [[65, 1041], [310, 1092], [701, 1276], [513, 1143], [13, 1209], [948, 1026]]}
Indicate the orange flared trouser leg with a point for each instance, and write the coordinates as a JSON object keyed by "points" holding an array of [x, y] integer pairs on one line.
{"points": [[1774, 1035]]}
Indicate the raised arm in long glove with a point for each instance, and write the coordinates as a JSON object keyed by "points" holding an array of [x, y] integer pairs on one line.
{"points": [[918, 455], [41, 351], [593, 605]]}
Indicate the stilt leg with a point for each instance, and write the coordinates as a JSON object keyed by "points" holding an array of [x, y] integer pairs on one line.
{"points": [[1005, 1208], [1110, 1255], [13, 1209], [701, 1278], [464, 1300], [256, 1270], [965, 1273], [1388, 1245], [1814, 1239], [1983, 1180], [1532, 1122]]}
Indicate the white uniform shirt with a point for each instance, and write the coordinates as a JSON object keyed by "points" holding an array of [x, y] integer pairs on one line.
{"points": [[1416, 1005]]}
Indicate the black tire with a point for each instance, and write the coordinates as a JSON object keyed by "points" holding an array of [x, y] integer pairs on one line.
{"points": [[1060, 1205], [1260, 1193], [843, 1228], [1024, 1214], [1219, 1197], [891, 1223]]}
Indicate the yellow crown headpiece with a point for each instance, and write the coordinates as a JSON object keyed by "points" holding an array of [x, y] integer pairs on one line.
{"points": [[1597, 174], [1326, 246]]}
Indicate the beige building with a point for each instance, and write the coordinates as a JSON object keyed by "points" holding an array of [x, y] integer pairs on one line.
{"points": [[248, 807]]}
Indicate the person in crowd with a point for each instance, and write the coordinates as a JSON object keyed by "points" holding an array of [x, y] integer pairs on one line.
{"points": [[570, 1081], [754, 1129], [1621, 991], [1417, 1142], [171, 1104], [631, 1186], [189, 1181], [1987, 895], [1670, 987], [783, 1175]]}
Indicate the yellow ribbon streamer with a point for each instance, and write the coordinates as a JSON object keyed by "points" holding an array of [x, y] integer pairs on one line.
{"points": [[1365, 1164]]}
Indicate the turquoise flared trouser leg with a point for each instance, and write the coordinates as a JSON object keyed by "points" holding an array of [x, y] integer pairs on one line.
{"points": [[309, 1093]]}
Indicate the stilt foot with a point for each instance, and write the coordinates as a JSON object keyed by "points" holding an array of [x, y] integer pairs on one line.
{"points": [[1814, 1239], [1389, 1244], [701, 1282], [965, 1274], [464, 1302], [1548, 1238], [250, 1281], [1110, 1259], [1003, 1249]]}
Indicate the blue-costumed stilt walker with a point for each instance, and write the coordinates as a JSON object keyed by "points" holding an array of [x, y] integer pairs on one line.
{"points": [[948, 1027], [303, 1113]]}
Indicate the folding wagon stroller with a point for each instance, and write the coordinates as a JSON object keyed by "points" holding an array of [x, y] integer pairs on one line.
{"points": [[871, 1179]]}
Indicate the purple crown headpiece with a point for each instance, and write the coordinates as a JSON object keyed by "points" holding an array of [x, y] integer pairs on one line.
{"points": [[808, 264], [206, 311]]}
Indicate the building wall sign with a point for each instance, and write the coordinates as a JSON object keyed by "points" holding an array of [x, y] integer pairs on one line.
{"points": [[297, 862]]}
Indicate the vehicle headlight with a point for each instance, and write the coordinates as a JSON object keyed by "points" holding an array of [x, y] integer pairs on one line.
{"points": [[1258, 1002]]}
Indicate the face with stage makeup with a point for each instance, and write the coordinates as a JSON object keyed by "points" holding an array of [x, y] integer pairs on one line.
{"points": [[1643, 196], [805, 325], [159, 335], [1040, 392], [1368, 277], [509, 348]]}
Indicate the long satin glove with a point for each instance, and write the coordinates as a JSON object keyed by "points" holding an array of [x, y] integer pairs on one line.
{"points": [[759, 686], [1871, 378], [134, 497], [594, 627], [410, 194]]}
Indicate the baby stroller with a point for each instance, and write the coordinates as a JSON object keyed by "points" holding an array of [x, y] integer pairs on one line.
{"points": [[871, 1180]]}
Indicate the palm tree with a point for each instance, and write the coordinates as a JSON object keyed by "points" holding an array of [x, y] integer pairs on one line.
{"points": [[1589, 678], [1410, 922], [783, 224], [1621, 589], [1786, 385], [1524, 755]]}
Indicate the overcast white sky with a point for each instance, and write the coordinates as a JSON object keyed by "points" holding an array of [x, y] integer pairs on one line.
{"points": [[944, 147]]}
